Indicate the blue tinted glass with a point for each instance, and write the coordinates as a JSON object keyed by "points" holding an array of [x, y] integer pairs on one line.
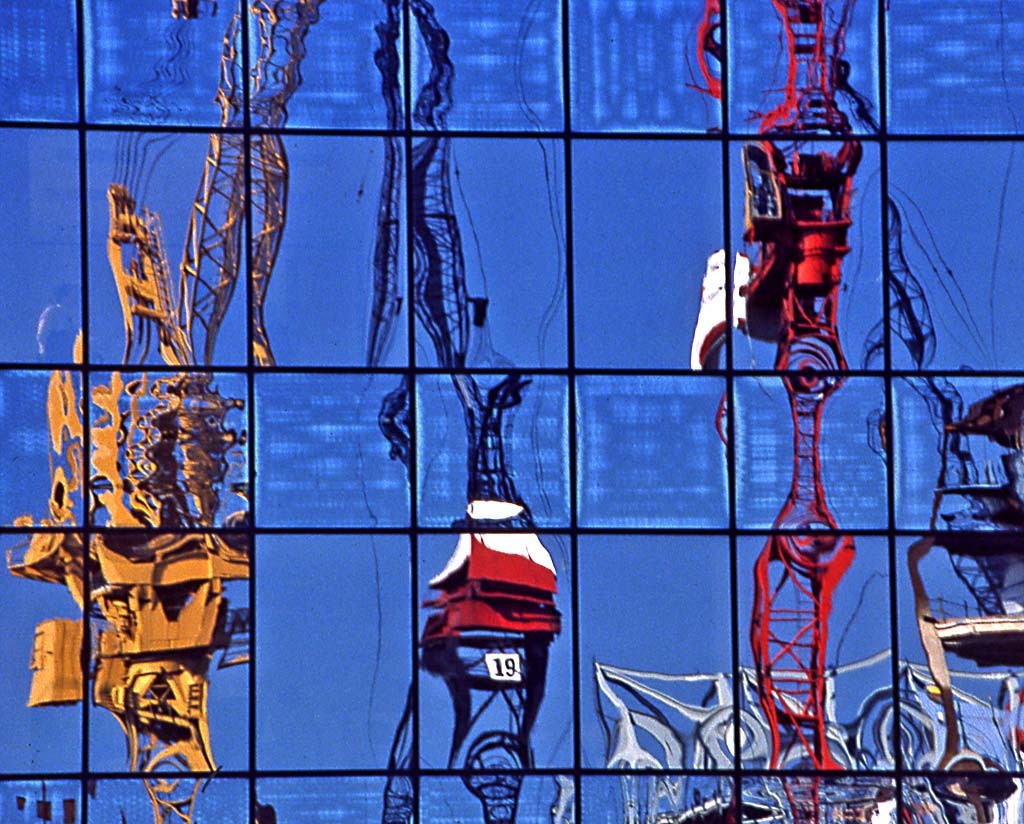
{"points": [[151, 68], [224, 800], [506, 58], [852, 463], [310, 800], [161, 179], [759, 69], [330, 74], [61, 797], [953, 68], [169, 450], [775, 603], [950, 592], [345, 662], [636, 66], [447, 801], [858, 306], [318, 304], [227, 712], [534, 447], [649, 453], [646, 217], [832, 797], [605, 797], [40, 296], [508, 229], [42, 456], [622, 627], [38, 40], [38, 617], [959, 258], [926, 460], [320, 455]]}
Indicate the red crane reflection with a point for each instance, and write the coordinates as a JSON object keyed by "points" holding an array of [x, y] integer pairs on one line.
{"points": [[797, 214]]}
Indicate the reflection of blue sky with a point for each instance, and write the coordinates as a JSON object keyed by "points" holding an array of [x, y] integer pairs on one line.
{"points": [[853, 476], [636, 281], [754, 68], [165, 179], [128, 76], [952, 70], [490, 94], [332, 656], [649, 454], [509, 206], [318, 300], [982, 683], [964, 246], [629, 72], [39, 270], [32, 792], [323, 800], [26, 450], [536, 450], [39, 41], [859, 626], [645, 216], [917, 449], [325, 426]]}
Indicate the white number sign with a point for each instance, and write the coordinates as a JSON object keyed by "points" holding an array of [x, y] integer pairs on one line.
{"points": [[504, 666]]}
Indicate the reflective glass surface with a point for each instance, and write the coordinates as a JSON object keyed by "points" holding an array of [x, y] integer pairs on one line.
{"points": [[511, 411]]}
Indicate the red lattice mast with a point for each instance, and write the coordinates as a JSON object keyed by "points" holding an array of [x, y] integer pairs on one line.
{"points": [[797, 213]]}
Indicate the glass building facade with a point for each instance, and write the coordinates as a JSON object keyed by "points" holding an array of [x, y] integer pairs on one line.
{"points": [[518, 410]]}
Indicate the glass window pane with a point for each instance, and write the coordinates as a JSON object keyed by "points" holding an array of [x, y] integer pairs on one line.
{"points": [[858, 298], [306, 800], [459, 462], [765, 80], [42, 414], [773, 455], [637, 67], [39, 40], [649, 453], [636, 590], [504, 241], [334, 701], [804, 642], [152, 67], [151, 249], [506, 58], [40, 292], [338, 291], [952, 69], [646, 217], [329, 465], [42, 644], [504, 659], [331, 71], [952, 266]]}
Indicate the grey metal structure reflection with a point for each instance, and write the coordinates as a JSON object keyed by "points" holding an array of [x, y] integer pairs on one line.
{"points": [[661, 721]]}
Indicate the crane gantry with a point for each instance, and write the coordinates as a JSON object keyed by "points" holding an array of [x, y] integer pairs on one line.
{"points": [[166, 448]]}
